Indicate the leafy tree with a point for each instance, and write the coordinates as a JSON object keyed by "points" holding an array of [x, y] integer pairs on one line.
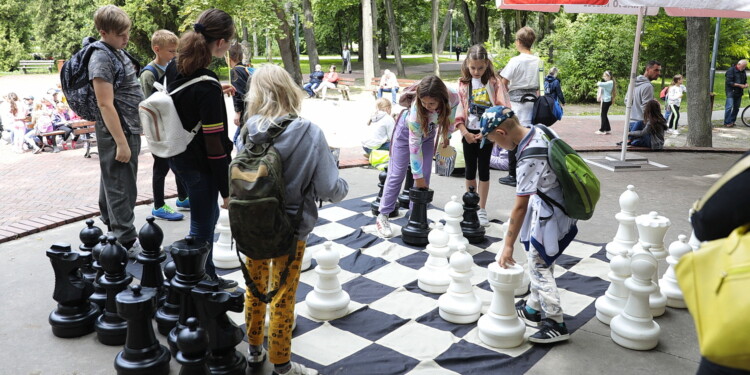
{"points": [[61, 26], [665, 39], [15, 33]]}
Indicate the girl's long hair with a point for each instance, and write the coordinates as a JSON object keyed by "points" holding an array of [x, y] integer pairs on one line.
{"points": [[193, 52], [433, 86], [676, 79], [476, 52], [652, 115], [272, 94], [13, 101]]}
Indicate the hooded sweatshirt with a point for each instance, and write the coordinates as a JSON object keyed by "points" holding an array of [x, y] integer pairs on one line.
{"points": [[382, 128], [643, 92], [307, 160]]}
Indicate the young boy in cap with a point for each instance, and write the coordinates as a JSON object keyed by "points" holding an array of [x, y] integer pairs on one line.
{"points": [[544, 230]]}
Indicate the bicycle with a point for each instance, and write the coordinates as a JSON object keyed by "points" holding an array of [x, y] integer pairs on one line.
{"points": [[746, 115]]}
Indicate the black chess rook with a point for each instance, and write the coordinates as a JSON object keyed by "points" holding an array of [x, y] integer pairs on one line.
{"points": [[211, 305], [416, 231], [470, 226], [111, 329], [190, 259], [142, 354], [75, 314]]}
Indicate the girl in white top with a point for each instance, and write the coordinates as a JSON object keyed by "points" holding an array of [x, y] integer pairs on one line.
{"points": [[13, 114], [382, 127], [674, 99]]}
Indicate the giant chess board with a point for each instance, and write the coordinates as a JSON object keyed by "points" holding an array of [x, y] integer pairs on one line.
{"points": [[392, 326]]}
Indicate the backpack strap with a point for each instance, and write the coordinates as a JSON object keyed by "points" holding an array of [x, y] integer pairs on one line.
{"points": [[151, 69], [541, 78], [191, 82]]}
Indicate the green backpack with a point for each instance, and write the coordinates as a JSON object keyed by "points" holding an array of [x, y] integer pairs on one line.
{"points": [[261, 228], [579, 183]]}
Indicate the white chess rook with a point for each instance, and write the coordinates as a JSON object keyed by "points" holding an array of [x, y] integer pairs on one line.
{"points": [[519, 255], [224, 255], [652, 229], [668, 282], [459, 304], [501, 327], [454, 214], [613, 301], [635, 328], [627, 234], [327, 301], [433, 277]]}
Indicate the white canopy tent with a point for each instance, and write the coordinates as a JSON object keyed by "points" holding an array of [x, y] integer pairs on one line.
{"points": [[676, 8]]}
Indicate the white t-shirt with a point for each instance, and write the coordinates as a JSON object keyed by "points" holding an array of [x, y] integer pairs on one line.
{"points": [[522, 71], [479, 96], [674, 94]]}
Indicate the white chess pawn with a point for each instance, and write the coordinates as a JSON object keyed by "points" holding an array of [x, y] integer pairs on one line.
{"points": [[614, 299], [327, 301], [306, 260], [501, 327], [652, 229], [668, 282], [635, 328], [460, 304], [224, 254], [519, 256], [433, 277], [627, 234], [695, 244], [454, 214]]}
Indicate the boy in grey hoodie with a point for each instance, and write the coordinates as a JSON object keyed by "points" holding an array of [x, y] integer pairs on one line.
{"points": [[642, 93]]}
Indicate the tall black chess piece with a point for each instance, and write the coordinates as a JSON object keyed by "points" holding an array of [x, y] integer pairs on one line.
{"points": [[151, 237], [375, 205], [190, 259], [168, 314], [470, 225], [142, 354], [416, 231], [212, 305], [89, 237], [100, 294], [75, 314], [193, 345], [111, 329], [403, 198]]}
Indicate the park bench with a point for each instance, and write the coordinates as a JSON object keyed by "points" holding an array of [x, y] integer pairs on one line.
{"points": [[36, 64], [84, 128], [402, 83], [343, 86]]}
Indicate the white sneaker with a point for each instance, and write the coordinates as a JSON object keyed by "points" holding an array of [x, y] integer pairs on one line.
{"points": [[256, 359], [298, 369], [384, 227], [483, 220]]}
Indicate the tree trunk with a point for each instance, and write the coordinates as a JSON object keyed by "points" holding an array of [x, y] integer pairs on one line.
{"points": [[435, 16], [360, 34], [255, 43], [287, 48], [375, 37], [519, 23], [467, 19], [394, 38], [308, 26], [507, 32], [366, 47], [699, 107], [247, 55], [383, 45], [269, 51], [481, 23], [446, 26]]}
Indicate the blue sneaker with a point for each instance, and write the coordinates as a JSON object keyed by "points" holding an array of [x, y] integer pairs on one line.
{"points": [[183, 205], [167, 213]]}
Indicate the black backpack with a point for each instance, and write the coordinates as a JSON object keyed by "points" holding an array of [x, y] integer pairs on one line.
{"points": [[544, 111], [74, 79]]}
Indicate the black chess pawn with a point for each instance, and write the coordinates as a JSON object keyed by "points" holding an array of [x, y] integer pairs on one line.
{"points": [[470, 226], [169, 312], [416, 231], [100, 294], [375, 205], [75, 314], [151, 236], [193, 345], [212, 305], [142, 353], [403, 198], [190, 259], [89, 237], [111, 329]]}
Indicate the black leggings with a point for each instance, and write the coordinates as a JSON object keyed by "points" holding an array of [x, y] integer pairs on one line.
{"points": [[161, 168], [605, 119], [674, 118], [474, 155]]}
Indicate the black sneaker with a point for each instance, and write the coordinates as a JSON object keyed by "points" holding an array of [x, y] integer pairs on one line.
{"points": [[528, 318], [508, 180], [224, 284], [550, 332]]}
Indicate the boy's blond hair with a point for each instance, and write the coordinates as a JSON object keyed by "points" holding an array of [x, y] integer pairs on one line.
{"points": [[273, 93], [526, 36], [163, 38], [384, 105], [110, 18]]}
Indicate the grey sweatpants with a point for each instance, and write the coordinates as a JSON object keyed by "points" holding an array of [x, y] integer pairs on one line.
{"points": [[117, 184]]}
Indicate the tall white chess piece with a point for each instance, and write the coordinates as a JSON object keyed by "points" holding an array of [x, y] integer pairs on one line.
{"points": [[668, 282], [460, 304], [613, 301], [652, 229], [433, 277], [635, 327], [454, 214], [327, 301], [224, 254], [501, 327], [627, 234]]}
